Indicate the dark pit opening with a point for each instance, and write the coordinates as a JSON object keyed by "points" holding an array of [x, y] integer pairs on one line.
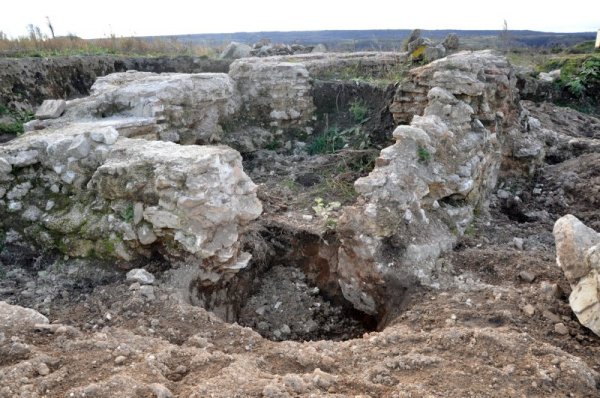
{"points": [[289, 291]]}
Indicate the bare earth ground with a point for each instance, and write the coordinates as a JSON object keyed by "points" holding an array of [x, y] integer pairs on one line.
{"points": [[499, 326]]}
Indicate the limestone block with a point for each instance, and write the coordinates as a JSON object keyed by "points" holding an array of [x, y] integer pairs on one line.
{"points": [[51, 109]]}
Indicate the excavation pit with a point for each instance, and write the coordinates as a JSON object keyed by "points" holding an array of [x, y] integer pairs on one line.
{"points": [[291, 293]]}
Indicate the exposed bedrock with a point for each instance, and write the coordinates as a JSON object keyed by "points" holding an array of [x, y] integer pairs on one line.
{"points": [[86, 191], [426, 187]]}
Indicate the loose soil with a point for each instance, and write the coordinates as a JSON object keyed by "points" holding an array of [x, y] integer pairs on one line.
{"points": [[492, 332]]}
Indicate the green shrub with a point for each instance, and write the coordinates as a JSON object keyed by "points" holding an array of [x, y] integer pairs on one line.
{"points": [[583, 81], [19, 118], [127, 213], [423, 154], [330, 141], [273, 145], [359, 111]]}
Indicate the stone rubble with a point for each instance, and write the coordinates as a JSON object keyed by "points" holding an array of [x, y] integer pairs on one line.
{"points": [[578, 255], [421, 49]]}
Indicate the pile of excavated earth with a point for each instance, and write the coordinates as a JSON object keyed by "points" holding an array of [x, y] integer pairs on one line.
{"points": [[282, 230]]}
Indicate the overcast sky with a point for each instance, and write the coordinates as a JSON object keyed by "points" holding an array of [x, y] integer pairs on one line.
{"points": [[89, 19]]}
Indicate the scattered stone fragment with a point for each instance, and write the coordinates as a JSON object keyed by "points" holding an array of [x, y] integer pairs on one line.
{"points": [[147, 291], [518, 243], [550, 291], [160, 391], [529, 309], [527, 276], [120, 360], [285, 329], [141, 276], [552, 317], [42, 369], [560, 328]]}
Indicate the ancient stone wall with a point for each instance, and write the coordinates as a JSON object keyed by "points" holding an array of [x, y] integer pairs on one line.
{"points": [[425, 188], [86, 191]]}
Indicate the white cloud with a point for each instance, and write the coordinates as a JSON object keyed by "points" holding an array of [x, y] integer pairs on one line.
{"points": [[124, 18]]}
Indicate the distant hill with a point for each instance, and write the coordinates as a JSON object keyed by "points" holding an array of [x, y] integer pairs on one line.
{"points": [[387, 39]]}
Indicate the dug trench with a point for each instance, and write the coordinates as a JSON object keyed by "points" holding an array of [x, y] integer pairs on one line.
{"points": [[290, 291]]}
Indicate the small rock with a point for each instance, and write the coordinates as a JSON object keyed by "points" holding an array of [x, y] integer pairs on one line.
{"points": [[141, 276], [61, 330], [263, 326], [311, 326], [68, 177], [518, 243], [502, 194], [285, 329], [260, 310], [46, 327], [529, 309], [549, 290], [106, 135], [161, 391], [15, 206], [80, 148], [146, 234], [138, 212], [561, 329], [451, 42], [147, 291], [120, 360], [527, 276], [42, 369], [552, 317]]}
